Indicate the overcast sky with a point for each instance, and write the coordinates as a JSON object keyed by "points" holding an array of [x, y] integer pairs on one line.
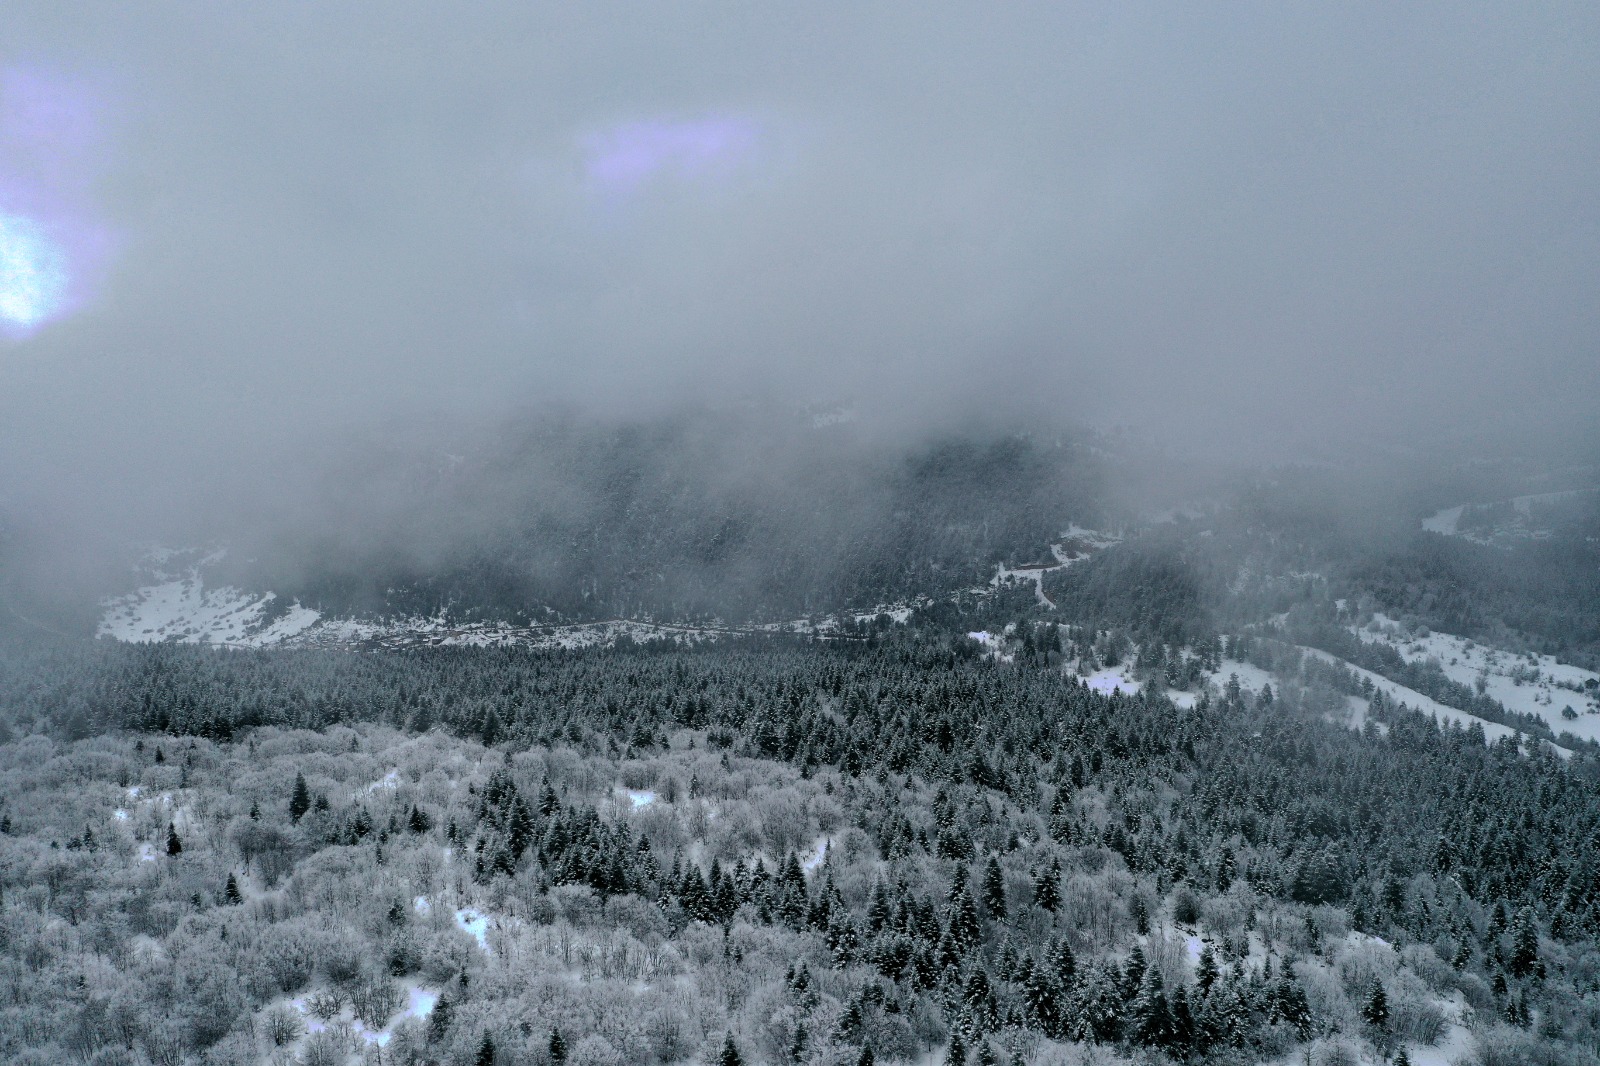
{"points": [[227, 225]]}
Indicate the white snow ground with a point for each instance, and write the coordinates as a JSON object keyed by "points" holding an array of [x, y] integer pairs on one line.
{"points": [[1111, 680], [180, 608], [1527, 684], [1398, 693], [814, 858], [475, 924]]}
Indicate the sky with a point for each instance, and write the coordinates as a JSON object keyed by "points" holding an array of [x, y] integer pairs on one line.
{"points": [[229, 230]]}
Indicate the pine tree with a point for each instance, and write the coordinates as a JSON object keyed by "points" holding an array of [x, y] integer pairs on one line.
{"points": [[1182, 1036], [1525, 947], [1375, 1011], [1047, 887], [1064, 965], [439, 1019], [230, 894], [174, 845], [730, 1053], [558, 1048], [300, 800], [1133, 973], [485, 1056], [962, 922], [865, 1058], [799, 1042], [956, 1053], [994, 889], [1205, 974], [1294, 1007], [1148, 1016]]}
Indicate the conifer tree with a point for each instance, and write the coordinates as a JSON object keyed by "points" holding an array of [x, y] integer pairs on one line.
{"points": [[1375, 1011], [730, 1053], [174, 845], [230, 894], [1525, 947], [1147, 1015], [557, 1047], [300, 799], [994, 889], [1182, 1036], [1205, 974], [485, 1056], [962, 922], [1047, 887]]}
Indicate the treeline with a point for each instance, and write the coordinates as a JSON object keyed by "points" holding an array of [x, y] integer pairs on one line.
{"points": [[1423, 676]]}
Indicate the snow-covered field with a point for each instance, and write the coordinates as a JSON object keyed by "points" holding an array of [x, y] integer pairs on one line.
{"points": [[1527, 684], [185, 611], [178, 607], [1500, 522]]}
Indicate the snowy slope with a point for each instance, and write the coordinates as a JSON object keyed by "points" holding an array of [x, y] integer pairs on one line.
{"points": [[179, 607], [1527, 684], [183, 610], [1398, 693]]}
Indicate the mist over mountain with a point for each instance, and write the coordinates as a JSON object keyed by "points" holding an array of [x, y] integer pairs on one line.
{"points": [[704, 535]]}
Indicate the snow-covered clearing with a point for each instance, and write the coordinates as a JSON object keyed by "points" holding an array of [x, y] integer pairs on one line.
{"points": [[417, 1002], [639, 797], [1526, 684], [1112, 679], [815, 857], [1398, 693], [1444, 521], [1497, 522], [181, 608], [476, 924]]}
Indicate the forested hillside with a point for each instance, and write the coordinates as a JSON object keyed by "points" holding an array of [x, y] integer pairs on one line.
{"points": [[741, 515], [889, 847]]}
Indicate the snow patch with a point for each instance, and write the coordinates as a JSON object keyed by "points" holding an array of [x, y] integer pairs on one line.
{"points": [[1539, 685], [1444, 521], [1111, 680], [184, 611], [475, 924], [815, 857], [1397, 693]]}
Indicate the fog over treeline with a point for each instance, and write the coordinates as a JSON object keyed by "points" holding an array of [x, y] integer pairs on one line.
{"points": [[290, 256]]}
